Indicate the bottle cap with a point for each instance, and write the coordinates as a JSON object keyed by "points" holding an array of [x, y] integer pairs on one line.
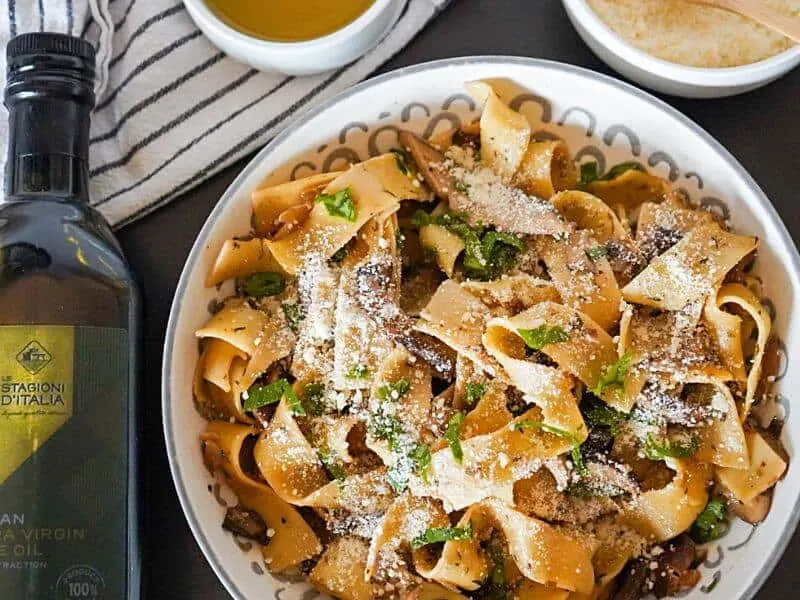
{"points": [[50, 64]]}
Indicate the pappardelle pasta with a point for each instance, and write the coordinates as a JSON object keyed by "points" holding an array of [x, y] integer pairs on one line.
{"points": [[469, 368]]}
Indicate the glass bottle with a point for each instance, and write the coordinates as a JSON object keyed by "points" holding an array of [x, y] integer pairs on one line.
{"points": [[68, 339]]}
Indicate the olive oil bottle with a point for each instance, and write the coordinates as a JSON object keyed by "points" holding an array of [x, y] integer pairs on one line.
{"points": [[68, 321]]}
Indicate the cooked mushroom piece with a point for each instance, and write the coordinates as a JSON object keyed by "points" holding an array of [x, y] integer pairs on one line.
{"points": [[374, 280], [633, 580], [245, 523], [675, 572], [428, 160]]}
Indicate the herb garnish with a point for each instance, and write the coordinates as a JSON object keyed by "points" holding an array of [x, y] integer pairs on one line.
{"points": [[475, 391], [543, 335], [711, 524], [394, 391], [339, 255], [339, 204], [655, 450], [605, 415], [313, 399], [452, 435], [597, 252], [435, 535], [421, 455], [487, 253], [462, 187], [577, 456], [590, 172], [261, 394], [614, 375], [261, 285], [332, 465], [404, 162], [293, 316], [384, 427], [359, 371], [497, 580]]}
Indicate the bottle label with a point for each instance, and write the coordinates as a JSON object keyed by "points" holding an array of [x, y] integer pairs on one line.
{"points": [[63, 462]]}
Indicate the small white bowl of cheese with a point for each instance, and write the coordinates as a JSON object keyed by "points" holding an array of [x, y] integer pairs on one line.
{"points": [[678, 48]]}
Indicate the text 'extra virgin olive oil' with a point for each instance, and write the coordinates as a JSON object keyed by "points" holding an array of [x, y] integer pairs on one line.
{"points": [[68, 319]]}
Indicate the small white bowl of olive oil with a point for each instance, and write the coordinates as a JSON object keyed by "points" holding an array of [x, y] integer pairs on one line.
{"points": [[296, 37]]}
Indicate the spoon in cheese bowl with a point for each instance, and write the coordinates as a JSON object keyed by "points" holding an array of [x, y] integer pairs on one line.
{"points": [[759, 11]]}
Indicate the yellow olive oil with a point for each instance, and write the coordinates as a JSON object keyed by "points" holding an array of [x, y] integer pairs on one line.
{"points": [[288, 20]]}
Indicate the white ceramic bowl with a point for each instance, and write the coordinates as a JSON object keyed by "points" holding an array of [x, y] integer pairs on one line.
{"points": [[300, 58], [672, 78], [597, 116]]}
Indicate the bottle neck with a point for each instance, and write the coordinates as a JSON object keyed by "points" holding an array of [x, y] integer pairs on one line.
{"points": [[48, 148]]}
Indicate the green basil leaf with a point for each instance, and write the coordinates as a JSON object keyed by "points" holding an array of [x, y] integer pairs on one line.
{"points": [[359, 371], [261, 285], [339, 204], [394, 391], [543, 335], [293, 316], [605, 415], [597, 252], [655, 450], [711, 524], [614, 375], [263, 394], [313, 399], [332, 465], [421, 455], [577, 456], [621, 169], [293, 401], [339, 256], [384, 427], [475, 392], [404, 162], [435, 535], [453, 434], [497, 579], [589, 172]]}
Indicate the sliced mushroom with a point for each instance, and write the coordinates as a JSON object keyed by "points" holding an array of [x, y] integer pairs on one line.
{"points": [[245, 523], [374, 280], [429, 160], [633, 581], [508, 208], [675, 573]]}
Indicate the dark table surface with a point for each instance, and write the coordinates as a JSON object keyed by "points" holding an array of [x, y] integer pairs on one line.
{"points": [[760, 128]]}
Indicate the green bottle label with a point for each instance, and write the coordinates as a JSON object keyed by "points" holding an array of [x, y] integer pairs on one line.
{"points": [[63, 462]]}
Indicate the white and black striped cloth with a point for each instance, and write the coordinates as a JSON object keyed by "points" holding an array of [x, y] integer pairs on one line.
{"points": [[172, 109]]}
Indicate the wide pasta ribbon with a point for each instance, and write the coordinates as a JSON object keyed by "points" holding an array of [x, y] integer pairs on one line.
{"points": [[659, 515], [744, 298], [491, 463], [588, 352], [294, 541], [691, 270], [585, 284], [322, 233], [240, 344], [458, 319], [543, 553], [544, 386]]}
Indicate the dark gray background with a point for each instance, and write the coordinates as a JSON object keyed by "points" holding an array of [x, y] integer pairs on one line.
{"points": [[759, 128]]}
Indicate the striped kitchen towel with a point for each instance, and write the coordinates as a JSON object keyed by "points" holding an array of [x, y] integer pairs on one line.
{"points": [[172, 109]]}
